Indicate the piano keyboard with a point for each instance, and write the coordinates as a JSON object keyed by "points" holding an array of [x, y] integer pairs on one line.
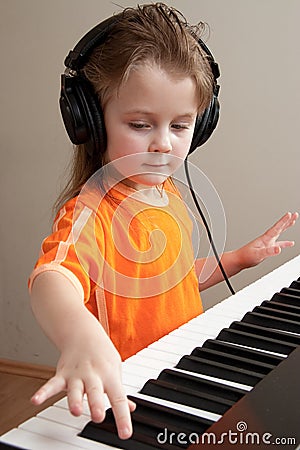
{"points": [[194, 377]]}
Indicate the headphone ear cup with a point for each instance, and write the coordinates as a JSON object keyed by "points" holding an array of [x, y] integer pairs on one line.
{"points": [[205, 124], [97, 138], [72, 112], [82, 114]]}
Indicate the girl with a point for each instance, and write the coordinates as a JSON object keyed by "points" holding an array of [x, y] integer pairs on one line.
{"points": [[118, 271]]}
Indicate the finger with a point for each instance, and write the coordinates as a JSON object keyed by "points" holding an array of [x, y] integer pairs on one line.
{"points": [[53, 386], [268, 251], [121, 409], [271, 251], [95, 396], [44, 393], [276, 249], [132, 405], [285, 244], [75, 396], [291, 220], [279, 226]]}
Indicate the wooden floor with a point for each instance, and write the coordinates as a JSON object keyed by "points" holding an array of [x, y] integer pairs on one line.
{"points": [[18, 382]]}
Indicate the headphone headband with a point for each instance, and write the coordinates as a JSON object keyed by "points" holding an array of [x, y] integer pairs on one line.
{"points": [[77, 57]]}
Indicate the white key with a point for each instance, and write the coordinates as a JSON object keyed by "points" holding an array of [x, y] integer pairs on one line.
{"points": [[62, 433], [63, 403], [201, 327], [130, 390], [161, 355], [144, 372], [187, 333], [179, 349], [32, 441], [149, 362], [133, 380], [61, 415], [209, 332], [177, 345]]}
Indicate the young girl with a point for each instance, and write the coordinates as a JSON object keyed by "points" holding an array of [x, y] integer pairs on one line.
{"points": [[118, 272]]}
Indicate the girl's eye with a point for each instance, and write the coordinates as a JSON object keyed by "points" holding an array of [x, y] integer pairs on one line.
{"points": [[138, 125], [180, 126]]}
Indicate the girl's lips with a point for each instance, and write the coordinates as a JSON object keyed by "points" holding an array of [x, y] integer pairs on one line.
{"points": [[156, 165]]}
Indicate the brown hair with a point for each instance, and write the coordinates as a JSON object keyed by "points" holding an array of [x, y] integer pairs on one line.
{"points": [[151, 33]]}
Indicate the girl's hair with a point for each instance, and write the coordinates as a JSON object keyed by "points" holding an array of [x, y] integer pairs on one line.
{"points": [[149, 34]]}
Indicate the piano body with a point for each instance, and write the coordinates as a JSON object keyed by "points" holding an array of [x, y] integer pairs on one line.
{"points": [[226, 378]]}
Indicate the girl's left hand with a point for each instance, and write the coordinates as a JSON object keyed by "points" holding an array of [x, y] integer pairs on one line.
{"points": [[267, 244]]}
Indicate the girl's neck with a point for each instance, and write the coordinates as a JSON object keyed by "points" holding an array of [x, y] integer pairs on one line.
{"points": [[152, 195]]}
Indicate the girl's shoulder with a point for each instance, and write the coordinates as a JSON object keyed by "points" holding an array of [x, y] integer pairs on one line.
{"points": [[92, 202]]}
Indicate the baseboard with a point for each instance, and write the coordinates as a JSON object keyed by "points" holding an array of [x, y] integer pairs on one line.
{"points": [[26, 369]]}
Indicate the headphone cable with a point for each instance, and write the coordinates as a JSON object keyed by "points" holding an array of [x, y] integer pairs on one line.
{"points": [[209, 235]]}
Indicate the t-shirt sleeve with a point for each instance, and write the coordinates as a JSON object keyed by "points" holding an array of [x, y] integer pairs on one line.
{"points": [[74, 248]]}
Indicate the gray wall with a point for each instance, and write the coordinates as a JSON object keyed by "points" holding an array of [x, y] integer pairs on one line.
{"points": [[252, 159]]}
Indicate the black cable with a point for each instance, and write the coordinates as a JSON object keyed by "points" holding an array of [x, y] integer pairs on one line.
{"points": [[209, 235]]}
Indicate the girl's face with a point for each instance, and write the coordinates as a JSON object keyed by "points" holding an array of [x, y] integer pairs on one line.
{"points": [[150, 123]]}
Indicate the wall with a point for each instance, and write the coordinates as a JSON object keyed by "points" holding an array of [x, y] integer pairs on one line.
{"points": [[252, 159]]}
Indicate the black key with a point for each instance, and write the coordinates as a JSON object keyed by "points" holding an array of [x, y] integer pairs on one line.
{"points": [[283, 314], [283, 297], [9, 446], [266, 332], [237, 361], [170, 417], [193, 391], [291, 291], [249, 353], [219, 370], [255, 341], [233, 360], [187, 396], [150, 421], [201, 384], [273, 322], [144, 437], [295, 285], [281, 306]]}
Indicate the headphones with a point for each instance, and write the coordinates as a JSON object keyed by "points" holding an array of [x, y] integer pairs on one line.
{"points": [[80, 109]]}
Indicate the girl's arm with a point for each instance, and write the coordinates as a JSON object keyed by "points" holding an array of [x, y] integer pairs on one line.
{"points": [[89, 362], [247, 256]]}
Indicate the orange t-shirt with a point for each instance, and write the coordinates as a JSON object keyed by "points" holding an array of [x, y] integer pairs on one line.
{"points": [[131, 262]]}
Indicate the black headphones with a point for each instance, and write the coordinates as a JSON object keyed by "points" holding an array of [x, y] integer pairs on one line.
{"points": [[80, 108]]}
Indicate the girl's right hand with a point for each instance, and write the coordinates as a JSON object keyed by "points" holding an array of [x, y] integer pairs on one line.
{"points": [[92, 369]]}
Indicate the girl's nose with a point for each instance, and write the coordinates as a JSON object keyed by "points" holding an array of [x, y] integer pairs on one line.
{"points": [[161, 143]]}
